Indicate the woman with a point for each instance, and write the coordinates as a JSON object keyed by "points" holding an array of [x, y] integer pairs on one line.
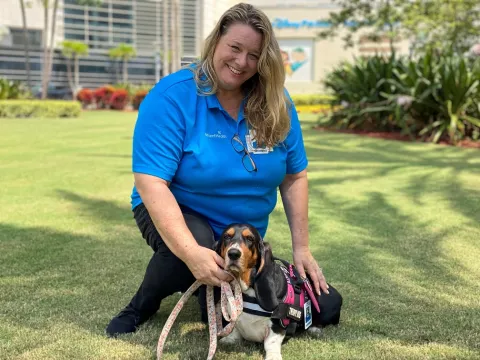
{"points": [[212, 144]]}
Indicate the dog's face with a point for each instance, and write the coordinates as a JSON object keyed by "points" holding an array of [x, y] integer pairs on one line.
{"points": [[242, 248]]}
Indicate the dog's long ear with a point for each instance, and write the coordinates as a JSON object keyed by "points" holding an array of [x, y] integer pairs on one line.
{"points": [[217, 246], [264, 281]]}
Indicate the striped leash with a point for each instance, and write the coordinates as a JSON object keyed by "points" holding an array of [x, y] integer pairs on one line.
{"points": [[229, 300]]}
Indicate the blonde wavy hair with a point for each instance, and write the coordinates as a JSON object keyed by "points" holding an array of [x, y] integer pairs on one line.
{"points": [[267, 106]]}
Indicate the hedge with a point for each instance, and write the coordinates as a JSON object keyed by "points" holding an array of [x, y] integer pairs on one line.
{"points": [[312, 99], [39, 108]]}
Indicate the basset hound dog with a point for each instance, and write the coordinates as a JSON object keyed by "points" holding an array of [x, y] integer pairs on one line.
{"points": [[276, 303]]}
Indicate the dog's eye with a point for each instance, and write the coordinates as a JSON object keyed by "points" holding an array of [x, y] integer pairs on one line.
{"points": [[226, 237], [249, 239]]}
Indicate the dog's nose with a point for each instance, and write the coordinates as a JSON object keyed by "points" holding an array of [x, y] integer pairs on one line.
{"points": [[234, 254]]}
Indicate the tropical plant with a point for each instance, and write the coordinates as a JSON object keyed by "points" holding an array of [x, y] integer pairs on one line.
{"points": [[26, 44], [138, 98], [434, 97], [361, 89], [103, 95], [119, 99], [123, 52], [447, 25], [73, 50], [48, 47], [85, 96], [12, 89]]}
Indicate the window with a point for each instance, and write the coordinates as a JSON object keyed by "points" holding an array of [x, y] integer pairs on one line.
{"points": [[122, 7], [98, 13], [74, 21], [74, 11], [98, 23], [121, 25], [97, 38], [122, 16], [34, 37], [80, 37]]}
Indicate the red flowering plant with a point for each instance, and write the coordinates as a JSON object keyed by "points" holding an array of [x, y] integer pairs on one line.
{"points": [[138, 98], [85, 96], [103, 96], [119, 99]]}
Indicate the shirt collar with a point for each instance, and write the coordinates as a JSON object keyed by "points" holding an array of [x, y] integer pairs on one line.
{"points": [[213, 103]]}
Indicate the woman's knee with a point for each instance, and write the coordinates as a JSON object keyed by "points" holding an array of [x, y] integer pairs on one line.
{"points": [[200, 229], [330, 307]]}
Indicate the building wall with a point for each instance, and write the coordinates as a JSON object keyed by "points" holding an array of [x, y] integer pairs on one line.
{"points": [[11, 16], [309, 58], [211, 11]]}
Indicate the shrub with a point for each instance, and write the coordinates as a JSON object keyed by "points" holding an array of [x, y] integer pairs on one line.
{"points": [[85, 96], [10, 89], [119, 99], [434, 97], [312, 99], [102, 96], [39, 108], [138, 98]]}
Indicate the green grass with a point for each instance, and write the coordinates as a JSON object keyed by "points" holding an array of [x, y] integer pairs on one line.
{"points": [[394, 225]]}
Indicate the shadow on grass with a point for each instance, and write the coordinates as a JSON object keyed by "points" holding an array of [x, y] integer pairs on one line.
{"points": [[99, 210], [373, 159], [355, 149], [390, 266], [67, 278]]}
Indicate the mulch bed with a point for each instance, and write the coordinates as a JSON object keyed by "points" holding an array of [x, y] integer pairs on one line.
{"points": [[397, 137]]}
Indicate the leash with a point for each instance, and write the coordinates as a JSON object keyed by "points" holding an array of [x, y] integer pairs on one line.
{"points": [[229, 300]]}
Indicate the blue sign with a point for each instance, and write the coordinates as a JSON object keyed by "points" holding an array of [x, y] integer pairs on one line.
{"points": [[309, 24]]}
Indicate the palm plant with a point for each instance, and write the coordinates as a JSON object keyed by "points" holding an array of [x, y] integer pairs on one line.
{"points": [[26, 44], [73, 50], [48, 47], [123, 52]]}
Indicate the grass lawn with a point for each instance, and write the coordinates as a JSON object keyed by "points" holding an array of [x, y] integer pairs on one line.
{"points": [[396, 227]]}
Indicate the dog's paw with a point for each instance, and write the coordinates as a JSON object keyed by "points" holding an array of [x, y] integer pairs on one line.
{"points": [[231, 339], [273, 356], [315, 331]]}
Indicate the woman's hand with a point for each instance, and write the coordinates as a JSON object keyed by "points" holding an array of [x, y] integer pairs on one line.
{"points": [[207, 266], [304, 262]]}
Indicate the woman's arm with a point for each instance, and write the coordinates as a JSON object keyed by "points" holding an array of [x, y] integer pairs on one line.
{"points": [[168, 219], [294, 192]]}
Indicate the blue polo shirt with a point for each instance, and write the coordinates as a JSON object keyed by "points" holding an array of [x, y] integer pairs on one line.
{"points": [[185, 138]]}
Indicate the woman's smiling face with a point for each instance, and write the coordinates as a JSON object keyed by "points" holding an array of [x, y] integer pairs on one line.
{"points": [[236, 56]]}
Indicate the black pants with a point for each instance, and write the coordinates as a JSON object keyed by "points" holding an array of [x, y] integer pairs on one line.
{"points": [[166, 274]]}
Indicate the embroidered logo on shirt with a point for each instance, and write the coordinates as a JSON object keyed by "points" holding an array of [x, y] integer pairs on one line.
{"points": [[218, 135]]}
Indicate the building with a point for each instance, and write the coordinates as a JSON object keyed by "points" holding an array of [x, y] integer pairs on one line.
{"points": [[135, 22], [140, 23], [307, 58]]}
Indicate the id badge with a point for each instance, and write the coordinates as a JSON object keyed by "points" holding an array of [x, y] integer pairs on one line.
{"points": [[252, 145], [307, 310]]}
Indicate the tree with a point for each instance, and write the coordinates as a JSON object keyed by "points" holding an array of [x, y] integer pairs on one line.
{"points": [[379, 18], [444, 24], [49, 47], [48, 50], [166, 50], [73, 50], [123, 52], [26, 43]]}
